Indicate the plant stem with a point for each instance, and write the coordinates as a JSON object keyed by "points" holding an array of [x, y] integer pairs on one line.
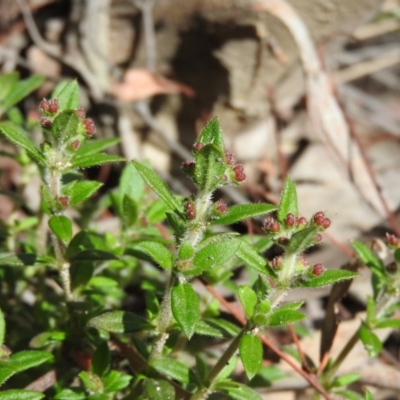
{"points": [[163, 322], [203, 393], [342, 356], [54, 183]]}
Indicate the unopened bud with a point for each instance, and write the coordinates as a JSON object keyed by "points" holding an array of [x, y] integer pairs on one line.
{"points": [[64, 201], [272, 225], [391, 240], [240, 176], [80, 112], [317, 269], [318, 237], [53, 106], [90, 127], [188, 166], [326, 223], [283, 240], [290, 220], [75, 144], [301, 221], [221, 206], [197, 147], [230, 159], [46, 123], [44, 106]]}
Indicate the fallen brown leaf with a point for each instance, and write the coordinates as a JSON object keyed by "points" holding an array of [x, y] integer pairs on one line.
{"points": [[139, 84]]}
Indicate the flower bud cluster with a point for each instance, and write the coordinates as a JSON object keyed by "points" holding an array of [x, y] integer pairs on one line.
{"points": [[50, 109], [190, 210], [392, 241]]}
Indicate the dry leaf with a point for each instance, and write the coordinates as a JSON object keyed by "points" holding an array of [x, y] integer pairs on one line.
{"points": [[139, 84]]}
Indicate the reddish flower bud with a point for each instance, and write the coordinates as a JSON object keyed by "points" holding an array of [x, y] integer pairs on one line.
{"points": [[53, 106], [276, 262], [80, 112], [224, 179], [318, 237], [64, 201], [301, 221], [188, 166], [230, 159], [317, 269], [391, 240], [302, 260], [283, 240], [221, 206], [190, 214], [237, 169], [290, 220], [46, 123], [326, 223], [44, 106], [189, 206], [318, 220], [75, 144], [391, 268], [89, 126], [271, 225], [5, 352], [197, 147], [319, 214]]}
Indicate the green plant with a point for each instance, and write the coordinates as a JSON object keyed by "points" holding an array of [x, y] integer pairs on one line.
{"points": [[74, 326]]}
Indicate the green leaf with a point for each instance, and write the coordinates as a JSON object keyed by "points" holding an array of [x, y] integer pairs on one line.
{"points": [[131, 183], [205, 329], [80, 191], [237, 391], [371, 342], [16, 135], [288, 202], [216, 254], [130, 211], [6, 373], [95, 146], [248, 298], [114, 381], [7, 83], [397, 255], [21, 90], [284, 316], [251, 354], [69, 394], [226, 328], [368, 257], [65, 125], [240, 212], [158, 252], [92, 160], [302, 240], [349, 395], [18, 260], [212, 134], [251, 257], [388, 323], [26, 359], [346, 380], [61, 226], [173, 369], [67, 94], [119, 322], [84, 240], [368, 395], [93, 255], [46, 338], [101, 360], [157, 184], [2, 329], [20, 394], [209, 168], [157, 389], [185, 307], [329, 277]]}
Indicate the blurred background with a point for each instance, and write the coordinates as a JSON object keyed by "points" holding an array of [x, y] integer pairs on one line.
{"points": [[308, 88]]}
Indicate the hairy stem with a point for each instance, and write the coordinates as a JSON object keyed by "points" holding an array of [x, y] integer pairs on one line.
{"points": [[163, 322]]}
